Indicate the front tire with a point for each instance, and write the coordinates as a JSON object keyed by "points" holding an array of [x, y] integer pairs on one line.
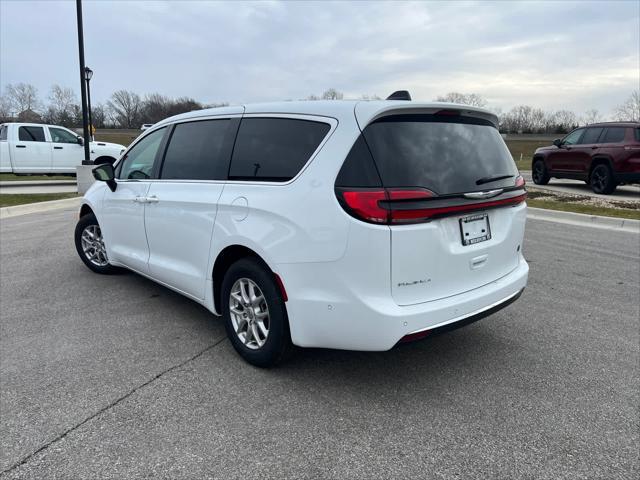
{"points": [[90, 245], [539, 173], [254, 313], [602, 180]]}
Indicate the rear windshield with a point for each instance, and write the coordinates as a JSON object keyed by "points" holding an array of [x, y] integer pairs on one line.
{"points": [[444, 154]]}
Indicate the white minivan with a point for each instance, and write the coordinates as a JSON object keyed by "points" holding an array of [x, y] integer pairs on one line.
{"points": [[337, 224]]}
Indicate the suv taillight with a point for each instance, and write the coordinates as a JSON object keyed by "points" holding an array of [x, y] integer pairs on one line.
{"points": [[394, 206]]}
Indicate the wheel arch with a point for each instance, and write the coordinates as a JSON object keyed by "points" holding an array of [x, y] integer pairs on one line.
{"points": [[227, 257], [85, 209], [536, 157], [600, 160]]}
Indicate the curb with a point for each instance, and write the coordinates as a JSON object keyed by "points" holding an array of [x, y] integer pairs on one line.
{"points": [[7, 212], [584, 220]]}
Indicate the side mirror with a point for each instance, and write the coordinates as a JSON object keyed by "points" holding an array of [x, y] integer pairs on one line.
{"points": [[557, 142], [106, 173], [80, 141]]}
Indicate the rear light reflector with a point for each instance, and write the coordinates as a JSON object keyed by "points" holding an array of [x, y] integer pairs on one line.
{"points": [[412, 337], [281, 287]]}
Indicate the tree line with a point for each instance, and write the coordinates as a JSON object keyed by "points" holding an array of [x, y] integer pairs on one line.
{"points": [[126, 109]]}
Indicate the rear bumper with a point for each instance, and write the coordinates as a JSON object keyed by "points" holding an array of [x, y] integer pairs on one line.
{"points": [[458, 323], [331, 315], [628, 177]]}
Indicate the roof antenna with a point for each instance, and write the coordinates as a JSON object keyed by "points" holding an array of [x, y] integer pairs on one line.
{"points": [[399, 95]]}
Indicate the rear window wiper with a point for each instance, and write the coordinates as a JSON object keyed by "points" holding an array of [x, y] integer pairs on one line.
{"points": [[492, 179]]}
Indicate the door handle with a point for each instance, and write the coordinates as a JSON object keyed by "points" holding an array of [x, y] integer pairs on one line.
{"points": [[140, 199], [21, 146], [153, 199], [594, 147], [57, 148]]}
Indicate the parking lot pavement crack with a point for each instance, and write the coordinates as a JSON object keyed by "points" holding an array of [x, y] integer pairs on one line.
{"points": [[110, 406]]}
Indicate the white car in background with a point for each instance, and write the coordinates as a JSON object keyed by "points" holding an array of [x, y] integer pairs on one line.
{"points": [[335, 224], [48, 149], [146, 126]]}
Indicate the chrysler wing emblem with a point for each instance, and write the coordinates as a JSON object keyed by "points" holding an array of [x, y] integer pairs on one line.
{"points": [[486, 194]]}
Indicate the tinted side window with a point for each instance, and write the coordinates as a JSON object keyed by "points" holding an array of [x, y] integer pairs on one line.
{"points": [[274, 149], [613, 135], [359, 170], [637, 132], [591, 135], [195, 151], [3, 132], [138, 162], [573, 138], [31, 134]]}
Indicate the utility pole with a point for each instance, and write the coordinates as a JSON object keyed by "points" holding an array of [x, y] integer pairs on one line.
{"points": [[83, 86]]}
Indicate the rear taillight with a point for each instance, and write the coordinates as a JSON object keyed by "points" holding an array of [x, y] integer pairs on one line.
{"points": [[393, 206], [365, 204]]}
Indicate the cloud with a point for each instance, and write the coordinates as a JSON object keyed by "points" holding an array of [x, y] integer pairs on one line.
{"points": [[574, 55]]}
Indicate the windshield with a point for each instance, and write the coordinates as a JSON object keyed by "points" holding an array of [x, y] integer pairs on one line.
{"points": [[445, 154]]}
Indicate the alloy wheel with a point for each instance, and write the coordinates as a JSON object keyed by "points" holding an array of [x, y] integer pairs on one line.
{"points": [[538, 171], [93, 246], [249, 313], [599, 179]]}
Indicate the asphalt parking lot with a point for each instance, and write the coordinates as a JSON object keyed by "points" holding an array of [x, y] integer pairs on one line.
{"points": [[117, 377]]}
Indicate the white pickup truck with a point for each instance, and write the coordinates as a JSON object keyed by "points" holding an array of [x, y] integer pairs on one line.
{"points": [[37, 148]]}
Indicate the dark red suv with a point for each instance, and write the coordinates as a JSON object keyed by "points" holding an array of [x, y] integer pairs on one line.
{"points": [[603, 154]]}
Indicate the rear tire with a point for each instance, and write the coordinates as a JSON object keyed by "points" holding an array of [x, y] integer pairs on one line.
{"points": [[602, 180], [90, 245], [254, 313], [539, 173]]}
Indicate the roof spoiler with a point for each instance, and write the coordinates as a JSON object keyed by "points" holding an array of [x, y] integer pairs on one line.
{"points": [[399, 95]]}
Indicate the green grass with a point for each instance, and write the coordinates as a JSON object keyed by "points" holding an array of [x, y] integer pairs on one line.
{"points": [[11, 199], [587, 209], [123, 138], [9, 177], [526, 149]]}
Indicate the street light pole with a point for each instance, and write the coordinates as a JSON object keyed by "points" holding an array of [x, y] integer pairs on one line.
{"points": [[88, 73], [83, 89]]}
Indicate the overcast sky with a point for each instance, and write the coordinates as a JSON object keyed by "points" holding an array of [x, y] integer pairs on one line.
{"points": [[554, 54]]}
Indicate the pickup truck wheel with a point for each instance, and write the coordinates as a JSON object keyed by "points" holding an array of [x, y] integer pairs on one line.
{"points": [[602, 180], [254, 313], [90, 245], [539, 173]]}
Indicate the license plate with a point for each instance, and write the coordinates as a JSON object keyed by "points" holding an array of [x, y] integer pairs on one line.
{"points": [[475, 229]]}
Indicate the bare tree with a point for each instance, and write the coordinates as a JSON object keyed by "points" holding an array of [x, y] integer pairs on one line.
{"points": [[62, 98], [592, 116], [565, 121], [155, 107], [332, 94], [98, 115], [472, 99], [22, 97], [629, 111], [124, 108], [61, 106], [5, 109]]}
